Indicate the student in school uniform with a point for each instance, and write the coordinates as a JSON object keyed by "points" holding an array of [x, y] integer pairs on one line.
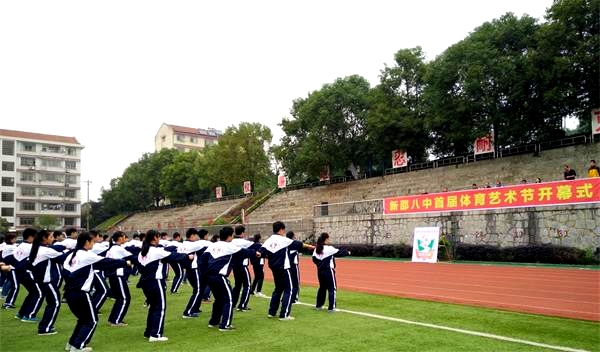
{"points": [[276, 248], [324, 258], [45, 266], [153, 262], [118, 280], [215, 264], [241, 274], [194, 244], [33, 301], [294, 269], [258, 268], [101, 289], [178, 273], [10, 289], [80, 265]]}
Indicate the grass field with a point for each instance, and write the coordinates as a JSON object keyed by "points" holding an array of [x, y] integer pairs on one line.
{"points": [[318, 330]]}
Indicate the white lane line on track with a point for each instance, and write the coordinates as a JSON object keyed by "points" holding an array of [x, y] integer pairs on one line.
{"points": [[460, 331]]}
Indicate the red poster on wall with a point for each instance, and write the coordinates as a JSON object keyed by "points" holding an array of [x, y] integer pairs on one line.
{"points": [[528, 195]]}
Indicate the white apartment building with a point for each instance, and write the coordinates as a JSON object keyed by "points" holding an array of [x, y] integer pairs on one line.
{"points": [[185, 138], [40, 176]]}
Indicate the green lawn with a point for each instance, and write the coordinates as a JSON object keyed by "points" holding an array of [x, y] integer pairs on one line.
{"points": [[316, 330]]}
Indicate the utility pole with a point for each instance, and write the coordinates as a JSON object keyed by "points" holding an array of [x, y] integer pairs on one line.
{"points": [[89, 210]]}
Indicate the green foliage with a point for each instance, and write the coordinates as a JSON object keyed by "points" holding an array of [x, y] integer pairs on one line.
{"points": [[4, 227], [108, 223], [47, 221], [327, 129]]}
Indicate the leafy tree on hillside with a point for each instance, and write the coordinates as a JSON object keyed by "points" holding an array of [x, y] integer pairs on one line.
{"points": [[179, 181], [327, 128], [396, 117]]}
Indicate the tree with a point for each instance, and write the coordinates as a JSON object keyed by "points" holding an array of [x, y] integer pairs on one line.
{"points": [[4, 225], [487, 83], [396, 117], [179, 181], [569, 53], [47, 221], [240, 155], [327, 129]]}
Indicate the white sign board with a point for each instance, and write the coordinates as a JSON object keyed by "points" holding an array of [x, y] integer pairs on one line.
{"points": [[425, 244]]}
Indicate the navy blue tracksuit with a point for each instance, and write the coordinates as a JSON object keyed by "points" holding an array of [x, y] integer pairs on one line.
{"points": [[194, 276], [215, 265], [295, 273], [325, 263], [33, 301], [276, 248], [46, 273], [241, 275], [79, 275], [118, 285], [8, 258], [153, 271]]}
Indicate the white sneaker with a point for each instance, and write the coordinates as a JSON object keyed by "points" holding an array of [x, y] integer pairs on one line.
{"points": [[68, 347], [289, 317], [260, 294], [85, 349], [158, 339]]}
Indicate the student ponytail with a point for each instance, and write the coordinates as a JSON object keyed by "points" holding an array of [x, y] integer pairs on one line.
{"points": [[82, 239], [151, 235], [35, 245], [321, 242]]}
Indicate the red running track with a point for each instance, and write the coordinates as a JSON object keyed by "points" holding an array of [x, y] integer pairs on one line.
{"points": [[562, 292]]}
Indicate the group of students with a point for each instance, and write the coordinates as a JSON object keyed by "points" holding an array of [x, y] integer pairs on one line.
{"points": [[82, 261]]}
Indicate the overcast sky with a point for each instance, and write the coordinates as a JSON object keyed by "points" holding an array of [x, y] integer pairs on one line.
{"points": [[111, 72]]}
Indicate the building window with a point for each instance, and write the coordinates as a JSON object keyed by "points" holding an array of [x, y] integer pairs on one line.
{"points": [[193, 140], [28, 191], [71, 151], [28, 206], [8, 166], [8, 147], [71, 165], [26, 221], [71, 179], [69, 207], [8, 181], [8, 212], [50, 192], [52, 177], [27, 161], [8, 196], [27, 176], [163, 138], [51, 163], [29, 147], [70, 193], [51, 149], [69, 221], [180, 138]]}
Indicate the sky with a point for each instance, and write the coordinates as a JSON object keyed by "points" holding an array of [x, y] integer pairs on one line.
{"points": [[110, 73]]}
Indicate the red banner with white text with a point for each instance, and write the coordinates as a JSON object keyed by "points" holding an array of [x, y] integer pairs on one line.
{"points": [[525, 195]]}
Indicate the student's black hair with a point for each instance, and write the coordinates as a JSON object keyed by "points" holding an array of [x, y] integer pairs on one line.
{"points": [[191, 231], [257, 238], [321, 242], [104, 237], [115, 237], [37, 242], [135, 235], [239, 230], [82, 239], [28, 232], [278, 225], [70, 230], [9, 237], [176, 235], [202, 234], [290, 235], [150, 236], [94, 233], [225, 233], [214, 238]]}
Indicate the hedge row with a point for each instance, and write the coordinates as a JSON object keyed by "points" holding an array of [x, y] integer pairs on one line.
{"points": [[543, 253]]}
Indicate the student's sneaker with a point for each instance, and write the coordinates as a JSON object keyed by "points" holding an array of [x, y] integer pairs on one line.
{"points": [[318, 308], [68, 347], [260, 294], [227, 328], [85, 349], [289, 317], [48, 333], [332, 310], [193, 315], [29, 320], [270, 316], [158, 339], [244, 309], [18, 316], [121, 324], [211, 326], [8, 306]]}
